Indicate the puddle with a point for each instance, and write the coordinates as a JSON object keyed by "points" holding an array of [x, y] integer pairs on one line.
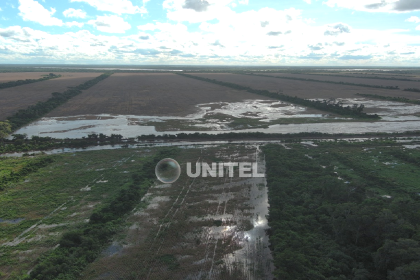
{"points": [[12, 221]]}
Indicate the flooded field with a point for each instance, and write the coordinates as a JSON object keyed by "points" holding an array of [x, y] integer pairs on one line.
{"points": [[203, 228], [219, 117]]}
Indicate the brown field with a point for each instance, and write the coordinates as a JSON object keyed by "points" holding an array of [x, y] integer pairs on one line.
{"points": [[374, 82], [304, 89], [384, 74], [150, 94], [20, 97], [7, 77]]}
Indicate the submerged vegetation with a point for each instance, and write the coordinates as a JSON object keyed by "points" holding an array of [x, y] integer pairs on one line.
{"points": [[342, 214]]}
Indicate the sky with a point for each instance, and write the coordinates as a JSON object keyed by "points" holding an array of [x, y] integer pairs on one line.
{"points": [[211, 32]]}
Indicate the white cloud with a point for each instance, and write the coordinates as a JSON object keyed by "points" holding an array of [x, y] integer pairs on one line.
{"points": [[115, 6], [413, 19], [235, 38], [197, 10], [74, 13], [74, 23], [307, 1], [1, 9], [388, 6], [110, 24], [243, 2], [418, 27], [31, 10]]}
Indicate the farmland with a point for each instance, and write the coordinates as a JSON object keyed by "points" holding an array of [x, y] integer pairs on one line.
{"points": [[20, 97], [148, 95], [350, 79], [304, 89], [325, 208], [8, 77]]}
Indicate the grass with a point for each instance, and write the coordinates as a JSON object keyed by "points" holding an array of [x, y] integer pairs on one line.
{"points": [[52, 199]]}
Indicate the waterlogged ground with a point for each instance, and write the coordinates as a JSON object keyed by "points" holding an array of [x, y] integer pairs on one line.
{"points": [[203, 228], [217, 116], [247, 116]]}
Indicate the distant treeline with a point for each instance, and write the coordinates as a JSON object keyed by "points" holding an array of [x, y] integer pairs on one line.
{"points": [[27, 81], [324, 227], [390, 98], [367, 77], [329, 82], [83, 244], [18, 175], [337, 108], [33, 112], [412, 89]]}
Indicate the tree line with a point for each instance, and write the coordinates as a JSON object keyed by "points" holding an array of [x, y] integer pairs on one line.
{"points": [[83, 244], [27, 81], [20, 143], [329, 82], [324, 105], [33, 112], [390, 98], [412, 89]]}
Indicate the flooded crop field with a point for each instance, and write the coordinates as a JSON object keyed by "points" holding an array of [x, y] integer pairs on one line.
{"points": [[253, 115], [196, 228], [148, 94], [214, 228], [94, 208]]}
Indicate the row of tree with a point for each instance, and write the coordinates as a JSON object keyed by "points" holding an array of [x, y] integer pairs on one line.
{"points": [[33, 112], [83, 244], [390, 98], [412, 89], [329, 82], [324, 105], [27, 81]]}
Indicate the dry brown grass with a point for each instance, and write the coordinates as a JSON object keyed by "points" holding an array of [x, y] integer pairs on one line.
{"points": [[148, 94], [20, 97], [305, 89]]}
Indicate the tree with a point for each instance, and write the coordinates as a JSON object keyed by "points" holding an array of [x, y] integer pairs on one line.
{"points": [[5, 129]]}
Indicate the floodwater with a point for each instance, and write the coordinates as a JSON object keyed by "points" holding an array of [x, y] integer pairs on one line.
{"points": [[396, 117]]}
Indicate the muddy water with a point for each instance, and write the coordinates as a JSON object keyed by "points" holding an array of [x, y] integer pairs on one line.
{"points": [[396, 117], [131, 126], [254, 258]]}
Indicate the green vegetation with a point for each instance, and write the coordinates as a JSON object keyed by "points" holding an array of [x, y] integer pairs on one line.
{"points": [[33, 112], [343, 213], [390, 98], [83, 244], [5, 130], [27, 81], [328, 82], [337, 108], [15, 175]]}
